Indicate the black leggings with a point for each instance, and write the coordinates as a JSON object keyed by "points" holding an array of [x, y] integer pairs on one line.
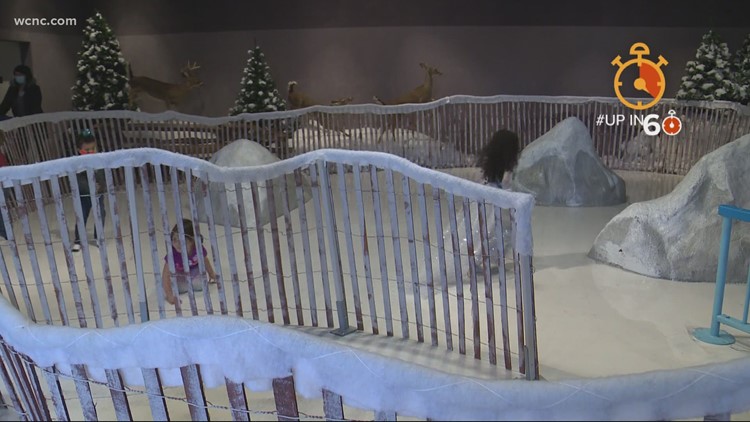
{"points": [[86, 208]]}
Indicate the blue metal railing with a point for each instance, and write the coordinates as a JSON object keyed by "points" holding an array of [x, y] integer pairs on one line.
{"points": [[714, 335]]}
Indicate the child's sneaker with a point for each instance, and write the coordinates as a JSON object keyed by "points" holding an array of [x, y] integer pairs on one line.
{"points": [[76, 247]]}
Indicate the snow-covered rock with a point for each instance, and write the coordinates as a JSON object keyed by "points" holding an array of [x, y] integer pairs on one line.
{"points": [[562, 168], [677, 236], [245, 153]]}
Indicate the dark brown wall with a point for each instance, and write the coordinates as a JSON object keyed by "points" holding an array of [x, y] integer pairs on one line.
{"points": [[337, 48], [173, 16], [147, 17], [362, 62]]}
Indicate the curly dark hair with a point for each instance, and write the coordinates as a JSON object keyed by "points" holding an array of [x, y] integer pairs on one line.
{"points": [[499, 155], [187, 226]]}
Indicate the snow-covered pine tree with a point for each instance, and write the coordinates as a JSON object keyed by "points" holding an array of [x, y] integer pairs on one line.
{"points": [[742, 72], [258, 91], [709, 76], [102, 78]]}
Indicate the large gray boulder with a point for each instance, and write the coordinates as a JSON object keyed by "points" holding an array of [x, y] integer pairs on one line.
{"points": [[245, 153], [562, 168], [677, 236]]}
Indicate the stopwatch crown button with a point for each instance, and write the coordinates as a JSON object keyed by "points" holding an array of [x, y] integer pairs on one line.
{"points": [[639, 49]]}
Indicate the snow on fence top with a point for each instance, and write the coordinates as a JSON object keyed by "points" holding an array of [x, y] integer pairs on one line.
{"points": [[256, 352], [522, 203], [349, 108]]}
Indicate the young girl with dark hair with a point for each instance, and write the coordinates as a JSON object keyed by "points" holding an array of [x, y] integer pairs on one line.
{"points": [[496, 160], [186, 277], [499, 158]]}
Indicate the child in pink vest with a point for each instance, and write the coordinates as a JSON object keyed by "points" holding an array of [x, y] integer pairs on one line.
{"points": [[190, 276]]}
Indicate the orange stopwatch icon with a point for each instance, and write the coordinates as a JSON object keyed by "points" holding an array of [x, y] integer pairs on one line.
{"points": [[650, 79]]}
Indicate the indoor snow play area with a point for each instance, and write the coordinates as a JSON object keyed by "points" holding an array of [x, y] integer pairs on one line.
{"points": [[364, 271]]}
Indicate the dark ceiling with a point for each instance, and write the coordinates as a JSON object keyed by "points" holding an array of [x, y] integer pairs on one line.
{"points": [[131, 17]]}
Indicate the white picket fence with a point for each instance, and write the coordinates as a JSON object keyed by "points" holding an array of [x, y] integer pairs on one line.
{"points": [[332, 238], [351, 240], [442, 134]]}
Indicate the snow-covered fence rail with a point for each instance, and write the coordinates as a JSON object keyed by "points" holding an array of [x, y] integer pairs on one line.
{"points": [[217, 367], [330, 238], [444, 133]]}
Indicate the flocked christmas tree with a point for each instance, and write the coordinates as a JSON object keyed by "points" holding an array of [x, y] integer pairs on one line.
{"points": [[709, 76], [742, 72], [102, 79], [258, 91]]}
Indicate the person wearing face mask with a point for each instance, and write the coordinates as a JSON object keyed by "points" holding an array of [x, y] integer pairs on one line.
{"points": [[24, 97]]}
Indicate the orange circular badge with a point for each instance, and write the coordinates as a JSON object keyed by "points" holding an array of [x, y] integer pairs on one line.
{"points": [[672, 125]]}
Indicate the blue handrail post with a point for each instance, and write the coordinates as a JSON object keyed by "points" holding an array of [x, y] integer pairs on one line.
{"points": [[721, 275], [714, 335]]}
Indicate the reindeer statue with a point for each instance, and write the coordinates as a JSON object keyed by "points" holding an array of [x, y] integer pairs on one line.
{"points": [[296, 99], [420, 94], [171, 94]]}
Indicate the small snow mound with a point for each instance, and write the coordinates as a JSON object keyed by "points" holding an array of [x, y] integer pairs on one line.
{"points": [[562, 168], [245, 153]]}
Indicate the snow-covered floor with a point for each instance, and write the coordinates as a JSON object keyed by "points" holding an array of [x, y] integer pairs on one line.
{"points": [[592, 320], [595, 320]]}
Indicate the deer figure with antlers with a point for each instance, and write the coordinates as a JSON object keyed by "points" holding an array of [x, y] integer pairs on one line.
{"points": [[420, 94], [296, 99], [171, 94]]}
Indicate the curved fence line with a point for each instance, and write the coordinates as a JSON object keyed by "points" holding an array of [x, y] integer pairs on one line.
{"points": [[331, 238], [232, 351], [445, 133], [60, 116], [522, 203]]}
